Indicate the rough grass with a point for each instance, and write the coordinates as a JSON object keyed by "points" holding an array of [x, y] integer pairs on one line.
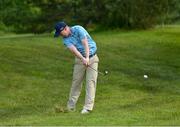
{"points": [[36, 73]]}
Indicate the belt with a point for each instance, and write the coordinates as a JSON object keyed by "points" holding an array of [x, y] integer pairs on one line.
{"points": [[92, 55]]}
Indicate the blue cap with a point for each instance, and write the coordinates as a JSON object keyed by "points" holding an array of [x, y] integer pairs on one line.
{"points": [[59, 27]]}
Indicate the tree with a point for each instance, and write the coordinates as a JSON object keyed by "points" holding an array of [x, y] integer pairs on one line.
{"points": [[40, 15]]}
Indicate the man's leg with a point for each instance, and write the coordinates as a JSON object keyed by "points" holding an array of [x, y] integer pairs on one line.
{"points": [[91, 80], [78, 75]]}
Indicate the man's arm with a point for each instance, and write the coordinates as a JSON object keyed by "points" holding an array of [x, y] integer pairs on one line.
{"points": [[85, 44], [73, 49]]}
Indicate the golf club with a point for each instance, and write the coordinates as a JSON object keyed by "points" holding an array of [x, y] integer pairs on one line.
{"points": [[105, 72]]}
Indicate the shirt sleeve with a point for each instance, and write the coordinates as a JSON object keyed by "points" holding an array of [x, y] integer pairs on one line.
{"points": [[67, 43], [82, 33]]}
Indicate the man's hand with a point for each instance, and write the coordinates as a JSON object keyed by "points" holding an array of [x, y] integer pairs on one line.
{"points": [[85, 61], [73, 49]]}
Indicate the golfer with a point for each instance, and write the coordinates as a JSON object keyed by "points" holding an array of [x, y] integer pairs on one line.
{"points": [[80, 43]]}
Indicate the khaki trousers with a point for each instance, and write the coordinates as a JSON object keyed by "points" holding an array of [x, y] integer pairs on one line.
{"points": [[80, 71]]}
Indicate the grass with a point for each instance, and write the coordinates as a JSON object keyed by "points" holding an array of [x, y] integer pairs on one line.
{"points": [[36, 73]]}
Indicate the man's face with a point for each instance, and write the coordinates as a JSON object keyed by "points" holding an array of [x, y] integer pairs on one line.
{"points": [[66, 32]]}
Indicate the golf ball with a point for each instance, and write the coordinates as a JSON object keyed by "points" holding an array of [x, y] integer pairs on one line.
{"points": [[145, 76], [106, 72]]}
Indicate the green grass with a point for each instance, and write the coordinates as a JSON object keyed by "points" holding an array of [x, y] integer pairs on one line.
{"points": [[36, 73]]}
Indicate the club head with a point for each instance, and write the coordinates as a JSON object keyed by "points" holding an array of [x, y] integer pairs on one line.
{"points": [[102, 73]]}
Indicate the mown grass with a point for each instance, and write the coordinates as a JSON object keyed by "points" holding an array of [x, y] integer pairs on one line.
{"points": [[36, 73]]}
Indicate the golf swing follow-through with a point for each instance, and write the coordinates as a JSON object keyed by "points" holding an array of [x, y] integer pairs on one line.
{"points": [[80, 43]]}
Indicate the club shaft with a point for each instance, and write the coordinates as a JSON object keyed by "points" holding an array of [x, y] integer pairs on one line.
{"points": [[96, 70]]}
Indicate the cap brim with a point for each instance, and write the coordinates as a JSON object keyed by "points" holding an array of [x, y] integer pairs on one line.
{"points": [[56, 34]]}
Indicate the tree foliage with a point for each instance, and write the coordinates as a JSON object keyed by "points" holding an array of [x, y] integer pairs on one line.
{"points": [[40, 15]]}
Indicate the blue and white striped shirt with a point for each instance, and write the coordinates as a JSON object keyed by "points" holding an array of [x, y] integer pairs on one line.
{"points": [[77, 34]]}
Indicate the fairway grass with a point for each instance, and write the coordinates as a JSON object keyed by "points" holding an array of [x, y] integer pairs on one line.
{"points": [[36, 73]]}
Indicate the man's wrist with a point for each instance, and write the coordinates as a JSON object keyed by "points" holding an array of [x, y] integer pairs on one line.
{"points": [[82, 58], [87, 56]]}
